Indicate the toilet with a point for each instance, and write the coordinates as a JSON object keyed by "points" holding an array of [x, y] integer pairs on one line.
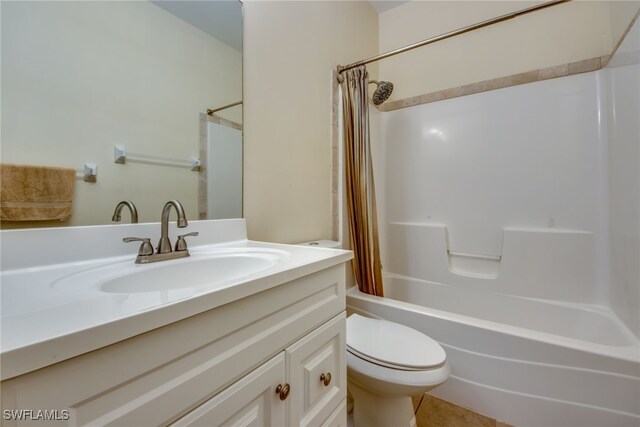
{"points": [[387, 363]]}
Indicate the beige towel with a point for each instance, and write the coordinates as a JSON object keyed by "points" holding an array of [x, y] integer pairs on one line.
{"points": [[35, 193]]}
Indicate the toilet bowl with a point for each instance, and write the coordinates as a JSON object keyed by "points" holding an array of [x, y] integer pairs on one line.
{"points": [[387, 363]]}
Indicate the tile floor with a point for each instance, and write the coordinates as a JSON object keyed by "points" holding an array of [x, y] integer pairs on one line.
{"points": [[435, 412]]}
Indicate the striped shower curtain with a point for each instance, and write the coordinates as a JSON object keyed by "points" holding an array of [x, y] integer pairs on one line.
{"points": [[361, 199]]}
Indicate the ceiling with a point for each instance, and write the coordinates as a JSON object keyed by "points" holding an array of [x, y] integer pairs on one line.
{"points": [[384, 5], [221, 19]]}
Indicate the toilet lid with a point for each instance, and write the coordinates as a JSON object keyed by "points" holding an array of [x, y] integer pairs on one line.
{"points": [[391, 344]]}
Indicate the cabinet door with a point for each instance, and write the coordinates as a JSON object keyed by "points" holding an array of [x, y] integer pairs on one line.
{"points": [[338, 418], [317, 373], [251, 401]]}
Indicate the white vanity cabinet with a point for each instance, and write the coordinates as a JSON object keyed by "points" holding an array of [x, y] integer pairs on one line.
{"points": [[315, 387], [220, 367]]}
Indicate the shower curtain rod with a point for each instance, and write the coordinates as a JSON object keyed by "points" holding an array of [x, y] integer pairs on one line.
{"points": [[210, 111], [452, 34]]}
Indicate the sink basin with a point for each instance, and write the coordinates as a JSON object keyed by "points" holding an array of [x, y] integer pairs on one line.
{"points": [[199, 272], [209, 269]]}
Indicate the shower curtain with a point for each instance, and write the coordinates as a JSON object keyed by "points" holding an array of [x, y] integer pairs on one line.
{"points": [[361, 199]]}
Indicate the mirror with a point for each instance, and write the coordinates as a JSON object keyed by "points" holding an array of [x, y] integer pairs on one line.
{"points": [[96, 82]]}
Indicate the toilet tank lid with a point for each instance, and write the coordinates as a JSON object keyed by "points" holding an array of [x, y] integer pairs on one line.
{"points": [[392, 344]]}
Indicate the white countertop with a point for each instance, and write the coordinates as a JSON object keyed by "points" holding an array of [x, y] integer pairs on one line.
{"points": [[44, 323]]}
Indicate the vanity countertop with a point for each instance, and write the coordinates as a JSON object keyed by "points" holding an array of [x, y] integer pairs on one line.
{"points": [[45, 321]]}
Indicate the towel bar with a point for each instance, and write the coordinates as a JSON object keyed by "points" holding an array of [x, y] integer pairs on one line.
{"points": [[89, 173], [121, 156]]}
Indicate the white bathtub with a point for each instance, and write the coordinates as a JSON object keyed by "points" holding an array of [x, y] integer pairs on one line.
{"points": [[524, 361]]}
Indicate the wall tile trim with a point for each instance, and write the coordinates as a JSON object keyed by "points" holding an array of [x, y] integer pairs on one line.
{"points": [[584, 66]]}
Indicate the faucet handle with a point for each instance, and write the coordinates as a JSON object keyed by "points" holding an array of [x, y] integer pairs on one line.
{"points": [[181, 243], [146, 248]]}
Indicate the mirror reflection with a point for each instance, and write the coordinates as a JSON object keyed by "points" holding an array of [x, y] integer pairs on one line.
{"points": [[119, 92]]}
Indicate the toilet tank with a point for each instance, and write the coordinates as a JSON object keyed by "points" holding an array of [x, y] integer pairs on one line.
{"points": [[323, 244]]}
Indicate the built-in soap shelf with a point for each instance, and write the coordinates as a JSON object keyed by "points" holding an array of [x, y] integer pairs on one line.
{"points": [[474, 265], [484, 266], [553, 263]]}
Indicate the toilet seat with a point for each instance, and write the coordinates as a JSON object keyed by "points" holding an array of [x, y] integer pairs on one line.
{"points": [[392, 345], [394, 382]]}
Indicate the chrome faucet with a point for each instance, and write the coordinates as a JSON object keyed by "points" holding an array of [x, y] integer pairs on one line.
{"points": [[132, 209], [164, 251]]}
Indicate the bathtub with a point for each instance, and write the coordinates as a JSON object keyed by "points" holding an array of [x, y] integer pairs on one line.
{"points": [[524, 361]]}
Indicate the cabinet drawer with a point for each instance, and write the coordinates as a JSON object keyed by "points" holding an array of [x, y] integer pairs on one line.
{"points": [[317, 369], [251, 401]]}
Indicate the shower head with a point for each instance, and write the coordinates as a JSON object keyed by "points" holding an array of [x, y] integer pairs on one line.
{"points": [[382, 93]]}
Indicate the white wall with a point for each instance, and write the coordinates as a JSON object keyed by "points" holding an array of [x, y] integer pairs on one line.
{"points": [[622, 82], [620, 16], [79, 77], [290, 50], [558, 35]]}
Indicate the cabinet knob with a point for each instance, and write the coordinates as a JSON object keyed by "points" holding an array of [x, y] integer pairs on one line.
{"points": [[326, 379], [283, 391]]}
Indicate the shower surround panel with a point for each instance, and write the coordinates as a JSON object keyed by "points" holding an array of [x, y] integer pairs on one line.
{"points": [[503, 191]]}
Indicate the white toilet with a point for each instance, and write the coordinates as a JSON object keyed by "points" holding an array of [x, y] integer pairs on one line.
{"points": [[387, 363]]}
